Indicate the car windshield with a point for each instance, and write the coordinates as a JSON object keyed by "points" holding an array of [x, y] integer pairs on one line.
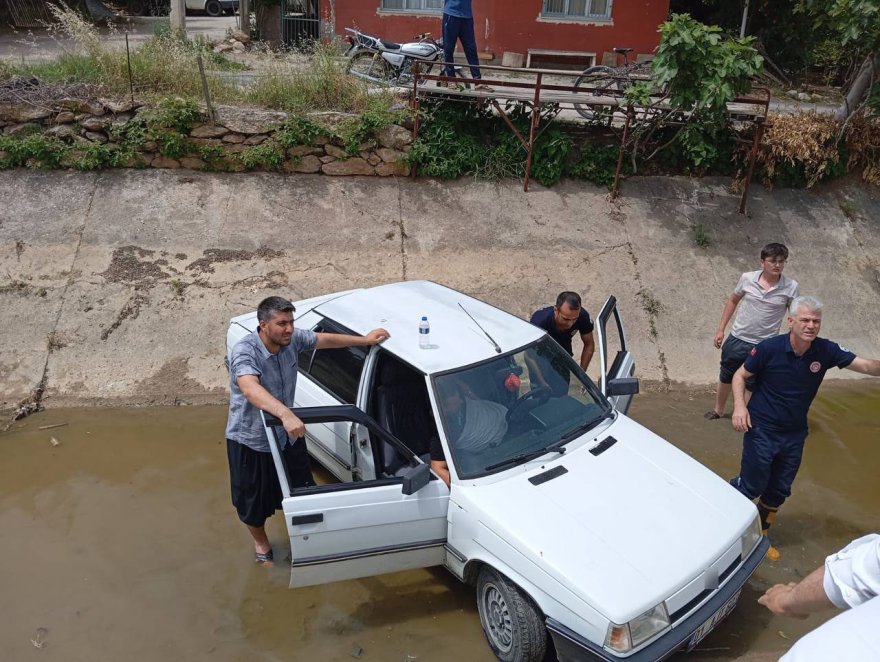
{"points": [[507, 410]]}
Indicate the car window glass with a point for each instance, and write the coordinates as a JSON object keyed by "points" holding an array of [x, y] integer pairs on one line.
{"points": [[515, 404], [337, 370]]}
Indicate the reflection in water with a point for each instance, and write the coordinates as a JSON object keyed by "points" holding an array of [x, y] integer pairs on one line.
{"points": [[121, 543]]}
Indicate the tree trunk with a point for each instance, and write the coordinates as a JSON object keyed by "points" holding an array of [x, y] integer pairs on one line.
{"points": [[860, 88], [268, 19]]}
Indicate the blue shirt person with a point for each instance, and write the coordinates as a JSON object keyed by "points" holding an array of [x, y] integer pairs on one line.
{"points": [[458, 25], [262, 377], [788, 370], [565, 319]]}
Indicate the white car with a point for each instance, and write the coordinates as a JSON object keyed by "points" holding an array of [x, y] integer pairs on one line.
{"points": [[570, 519]]}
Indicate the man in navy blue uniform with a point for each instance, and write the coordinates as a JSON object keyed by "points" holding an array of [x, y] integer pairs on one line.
{"points": [[789, 369]]}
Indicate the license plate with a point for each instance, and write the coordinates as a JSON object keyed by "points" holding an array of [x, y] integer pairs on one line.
{"points": [[712, 621]]}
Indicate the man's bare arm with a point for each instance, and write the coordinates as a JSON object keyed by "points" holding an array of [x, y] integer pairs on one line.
{"points": [[260, 398], [589, 349], [441, 468], [336, 340], [798, 600], [740, 419], [865, 366], [726, 314]]}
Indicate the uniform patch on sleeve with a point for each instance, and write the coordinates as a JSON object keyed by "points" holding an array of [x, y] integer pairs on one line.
{"points": [[754, 351]]}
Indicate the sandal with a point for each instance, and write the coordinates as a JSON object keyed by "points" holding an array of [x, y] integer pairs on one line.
{"points": [[264, 557], [711, 415]]}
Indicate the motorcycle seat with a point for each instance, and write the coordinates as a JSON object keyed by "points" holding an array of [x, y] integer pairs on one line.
{"points": [[390, 45]]}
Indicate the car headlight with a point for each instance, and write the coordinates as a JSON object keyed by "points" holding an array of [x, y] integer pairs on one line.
{"points": [[623, 638], [751, 537]]}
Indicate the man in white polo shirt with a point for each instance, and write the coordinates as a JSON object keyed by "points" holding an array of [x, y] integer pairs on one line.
{"points": [[849, 579], [763, 298]]}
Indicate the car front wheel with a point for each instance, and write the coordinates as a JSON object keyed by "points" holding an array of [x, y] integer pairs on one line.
{"points": [[513, 625], [213, 8]]}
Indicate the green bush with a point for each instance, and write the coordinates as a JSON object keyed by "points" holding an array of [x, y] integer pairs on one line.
{"points": [[34, 150], [268, 156], [596, 164], [298, 130]]}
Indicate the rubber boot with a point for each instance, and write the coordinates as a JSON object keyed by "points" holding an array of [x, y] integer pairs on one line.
{"points": [[768, 515]]}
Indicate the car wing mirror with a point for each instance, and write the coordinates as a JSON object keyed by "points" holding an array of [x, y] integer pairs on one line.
{"points": [[416, 478], [623, 386]]}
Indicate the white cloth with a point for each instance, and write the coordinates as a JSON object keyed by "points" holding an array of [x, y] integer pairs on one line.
{"points": [[852, 579]]}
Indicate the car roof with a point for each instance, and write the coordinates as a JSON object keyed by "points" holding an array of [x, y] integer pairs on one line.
{"points": [[457, 340]]}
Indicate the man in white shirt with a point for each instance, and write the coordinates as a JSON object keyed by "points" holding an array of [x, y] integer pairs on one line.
{"points": [[763, 298], [849, 579]]}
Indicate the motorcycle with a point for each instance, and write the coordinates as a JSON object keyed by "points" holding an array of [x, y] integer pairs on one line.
{"points": [[388, 62]]}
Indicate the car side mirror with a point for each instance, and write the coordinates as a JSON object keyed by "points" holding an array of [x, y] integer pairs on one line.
{"points": [[416, 478], [623, 386]]}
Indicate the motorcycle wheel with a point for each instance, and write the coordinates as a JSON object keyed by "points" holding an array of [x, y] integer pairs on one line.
{"points": [[369, 66]]}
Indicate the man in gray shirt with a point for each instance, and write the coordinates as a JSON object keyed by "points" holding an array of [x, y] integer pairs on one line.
{"points": [[262, 376], [765, 296]]}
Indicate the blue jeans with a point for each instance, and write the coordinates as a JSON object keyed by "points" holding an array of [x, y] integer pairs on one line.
{"points": [[456, 28], [770, 462]]}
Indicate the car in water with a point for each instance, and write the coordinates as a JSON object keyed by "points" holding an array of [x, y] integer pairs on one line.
{"points": [[573, 522]]}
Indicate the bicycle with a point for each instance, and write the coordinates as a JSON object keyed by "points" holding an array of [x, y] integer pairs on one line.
{"points": [[601, 80]]}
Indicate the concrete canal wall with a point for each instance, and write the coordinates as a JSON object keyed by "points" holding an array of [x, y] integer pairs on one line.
{"points": [[116, 287]]}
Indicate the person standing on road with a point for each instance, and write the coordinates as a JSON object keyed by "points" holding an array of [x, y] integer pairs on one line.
{"points": [[458, 25], [262, 376], [765, 295], [790, 369], [849, 579]]}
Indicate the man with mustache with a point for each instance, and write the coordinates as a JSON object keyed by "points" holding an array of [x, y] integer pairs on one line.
{"points": [[789, 369], [262, 376]]}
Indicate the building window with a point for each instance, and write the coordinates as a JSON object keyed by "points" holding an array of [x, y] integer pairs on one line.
{"points": [[578, 9], [413, 5]]}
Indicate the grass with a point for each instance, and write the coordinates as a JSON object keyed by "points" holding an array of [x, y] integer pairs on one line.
{"points": [[167, 64], [701, 236]]}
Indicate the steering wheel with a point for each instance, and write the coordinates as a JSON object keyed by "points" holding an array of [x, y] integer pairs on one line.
{"points": [[526, 402]]}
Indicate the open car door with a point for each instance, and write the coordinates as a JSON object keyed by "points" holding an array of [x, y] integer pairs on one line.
{"points": [[616, 380], [364, 528]]}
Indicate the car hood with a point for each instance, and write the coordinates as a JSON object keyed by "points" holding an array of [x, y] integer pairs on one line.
{"points": [[622, 530]]}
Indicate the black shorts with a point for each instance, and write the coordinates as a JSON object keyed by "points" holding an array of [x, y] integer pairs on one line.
{"points": [[734, 353], [256, 492]]}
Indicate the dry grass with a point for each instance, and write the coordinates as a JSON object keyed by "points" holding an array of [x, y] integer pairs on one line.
{"points": [[806, 138], [167, 65]]}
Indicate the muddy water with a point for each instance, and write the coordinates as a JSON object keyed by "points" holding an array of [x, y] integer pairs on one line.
{"points": [[120, 541]]}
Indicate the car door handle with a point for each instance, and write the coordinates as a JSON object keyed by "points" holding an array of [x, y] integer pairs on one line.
{"points": [[313, 518]]}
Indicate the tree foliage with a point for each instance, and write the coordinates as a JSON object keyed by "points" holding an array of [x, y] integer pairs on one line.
{"points": [[702, 69]]}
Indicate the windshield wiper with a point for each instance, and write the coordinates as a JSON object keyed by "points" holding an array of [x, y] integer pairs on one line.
{"points": [[528, 455], [583, 427]]}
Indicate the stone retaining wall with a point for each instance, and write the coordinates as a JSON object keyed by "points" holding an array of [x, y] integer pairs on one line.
{"points": [[82, 123]]}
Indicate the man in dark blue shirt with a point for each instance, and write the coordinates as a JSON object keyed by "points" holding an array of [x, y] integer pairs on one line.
{"points": [[563, 320], [458, 24], [789, 369]]}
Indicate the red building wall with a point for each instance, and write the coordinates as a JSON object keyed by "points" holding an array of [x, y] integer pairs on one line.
{"points": [[514, 25]]}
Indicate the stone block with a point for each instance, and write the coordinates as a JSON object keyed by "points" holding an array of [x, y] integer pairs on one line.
{"points": [[308, 164], [336, 152], [351, 166], [393, 169], [233, 138], [208, 131], [165, 162]]}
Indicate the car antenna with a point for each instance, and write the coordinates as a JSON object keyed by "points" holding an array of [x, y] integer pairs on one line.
{"points": [[491, 339]]}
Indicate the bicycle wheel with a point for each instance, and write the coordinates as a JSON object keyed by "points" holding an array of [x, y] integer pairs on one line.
{"points": [[369, 66], [596, 80]]}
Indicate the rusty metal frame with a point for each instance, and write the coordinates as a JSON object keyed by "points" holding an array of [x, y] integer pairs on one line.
{"points": [[587, 96]]}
